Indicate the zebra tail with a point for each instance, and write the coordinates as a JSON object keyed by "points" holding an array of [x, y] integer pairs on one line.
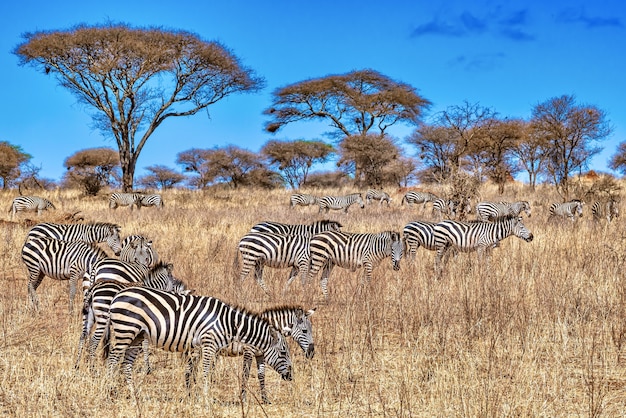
{"points": [[236, 265], [106, 340], [403, 199]]}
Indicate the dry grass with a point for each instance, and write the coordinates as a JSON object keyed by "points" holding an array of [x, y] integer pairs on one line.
{"points": [[542, 334]]}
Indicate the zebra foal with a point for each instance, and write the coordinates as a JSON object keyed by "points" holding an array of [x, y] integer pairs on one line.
{"points": [[125, 199], [377, 195], [90, 233], [30, 203], [299, 199], [259, 249], [475, 236], [352, 251], [182, 323], [568, 210], [297, 229], [340, 202]]}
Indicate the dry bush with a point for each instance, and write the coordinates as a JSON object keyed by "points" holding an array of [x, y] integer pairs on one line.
{"points": [[541, 333]]}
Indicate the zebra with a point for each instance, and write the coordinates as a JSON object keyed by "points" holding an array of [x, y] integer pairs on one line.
{"points": [[475, 236], [350, 250], [61, 260], [567, 210], [30, 203], [489, 211], [419, 233], [259, 249], [340, 202], [151, 200], [297, 229], [418, 197], [98, 299], [90, 233], [180, 323], [443, 207], [125, 199], [377, 195], [295, 318], [136, 248], [607, 210], [298, 199]]}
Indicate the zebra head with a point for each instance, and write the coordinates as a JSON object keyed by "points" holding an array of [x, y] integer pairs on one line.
{"points": [[359, 200], [397, 249], [613, 209], [579, 208], [526, 208], [113, 239], [520, 230], [302, 332], [139, 250], [277, 354]]}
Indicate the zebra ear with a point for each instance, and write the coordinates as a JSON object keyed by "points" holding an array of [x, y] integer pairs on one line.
{"points": [[169, 267], [286, 331], [189, 292], [310, 312]]}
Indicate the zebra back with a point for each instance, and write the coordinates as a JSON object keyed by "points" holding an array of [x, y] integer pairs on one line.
{"points": [[151, 200], [297, 229], [298, 199], [91, 233], [125, 199], [340, 202], [138, 249]]}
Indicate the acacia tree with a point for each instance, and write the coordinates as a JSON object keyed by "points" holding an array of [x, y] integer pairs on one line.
{"points": [[366, 157], [353, 103], [295, 158], [618, 160], [135, 78], [161, 177], [11, 158], [231, 164], [92, 168], [530, 152], [571, 132], [194, 161]]}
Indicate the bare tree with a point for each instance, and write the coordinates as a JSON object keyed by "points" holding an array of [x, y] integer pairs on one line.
{"points": [[92, 168], [161, 177], [134, 79], [531, 153], [572, 132], [194, 161], [11, 158], [295, 158], [353, 103]]}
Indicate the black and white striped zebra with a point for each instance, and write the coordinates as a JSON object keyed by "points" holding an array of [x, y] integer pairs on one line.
{"points": [[568, 210], [489, 211], [30, 203], [443, 208], [259, 249], [297, 229], [352, 251], [377, 195], [61, 260], [295, 318], [299, 199], [340, 202], [608, 210], [182, 323], [125, 199], [90, 233], [419, 234], [99, 296], [475, 236], [151, 200], [418, 197], [138, 249]]}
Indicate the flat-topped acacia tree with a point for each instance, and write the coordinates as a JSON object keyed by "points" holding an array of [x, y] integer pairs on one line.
{"points": [[135, 78]]}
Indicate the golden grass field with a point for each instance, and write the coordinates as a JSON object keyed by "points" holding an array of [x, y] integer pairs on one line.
{"points": [[540, 335]]}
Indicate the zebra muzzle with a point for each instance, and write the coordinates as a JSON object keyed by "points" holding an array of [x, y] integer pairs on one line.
{"points": [[310, 351]]}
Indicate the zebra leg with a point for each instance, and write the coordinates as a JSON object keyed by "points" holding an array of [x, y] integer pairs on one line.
{"points": [[368, 267], [258, 273], [127, 367], [260, 364], [35, 278], [328, 267], [74, 274], [190, 370], [292, 275], [145, 347], [247, 363], [208, 360]]}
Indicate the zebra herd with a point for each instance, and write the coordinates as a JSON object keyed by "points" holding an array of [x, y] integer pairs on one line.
{"points": [[135, 301]]}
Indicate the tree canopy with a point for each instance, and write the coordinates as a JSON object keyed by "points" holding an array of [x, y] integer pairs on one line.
{"points": [[92, 168], [352, 103], [135, 78], [11, 158]]}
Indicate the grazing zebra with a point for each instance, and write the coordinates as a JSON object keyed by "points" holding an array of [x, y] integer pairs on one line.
{"points": [[297, 229], [30, 203], [151, 200], [61, 260], [489, 211], [418, 197], [125, 199], [298, 199], [566, 210], [442, 208], [607, 210], [377, 195], [347, 250], [295, 318], [90, 233], [181, 323], [340, 202], [419, 233], [259, 249], [475, 236], [138, 249], [99, 296]]}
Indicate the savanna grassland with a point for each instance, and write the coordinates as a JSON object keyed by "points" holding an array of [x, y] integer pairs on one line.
{"points": [[539, 334]]}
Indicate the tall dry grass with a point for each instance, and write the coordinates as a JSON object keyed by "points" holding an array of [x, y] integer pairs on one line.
{"points": [[540, 334]]}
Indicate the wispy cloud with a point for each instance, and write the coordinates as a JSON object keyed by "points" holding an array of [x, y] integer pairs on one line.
{"points": [[511, 25], [480, 62], [591, 22]]}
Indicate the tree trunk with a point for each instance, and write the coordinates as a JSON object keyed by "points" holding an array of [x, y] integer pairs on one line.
{"points": [[127, 162]]}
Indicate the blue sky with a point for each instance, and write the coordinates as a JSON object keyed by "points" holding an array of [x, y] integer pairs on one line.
{"points": [[506, 55]]}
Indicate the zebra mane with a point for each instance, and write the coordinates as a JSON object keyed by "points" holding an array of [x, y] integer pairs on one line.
{"points": [[296, 308], [105, 224], [160, 265], [326, 222], [245, 311]]}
